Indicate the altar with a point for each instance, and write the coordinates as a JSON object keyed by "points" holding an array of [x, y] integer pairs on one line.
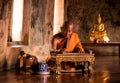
{"points": [[74, 57], [103, 44]]}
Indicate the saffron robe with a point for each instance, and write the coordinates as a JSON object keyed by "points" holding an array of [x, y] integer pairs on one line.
{"points": [[70, 44], [74, 43]]}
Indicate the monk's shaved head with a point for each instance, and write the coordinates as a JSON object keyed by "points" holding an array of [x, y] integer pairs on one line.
{"points": [[67, 29], [66, 25]]}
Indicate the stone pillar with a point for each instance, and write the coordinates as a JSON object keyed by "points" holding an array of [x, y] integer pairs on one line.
{"points": [[58, 15]]}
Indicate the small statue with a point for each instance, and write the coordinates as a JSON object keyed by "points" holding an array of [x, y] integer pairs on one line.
{"points": [[98, 33]]}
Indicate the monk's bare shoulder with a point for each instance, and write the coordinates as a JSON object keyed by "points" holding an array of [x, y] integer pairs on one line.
{"points": [[56, 38]]}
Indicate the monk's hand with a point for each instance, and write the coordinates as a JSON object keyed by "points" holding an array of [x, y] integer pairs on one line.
{"points": [[81, 51], [63, 50]]}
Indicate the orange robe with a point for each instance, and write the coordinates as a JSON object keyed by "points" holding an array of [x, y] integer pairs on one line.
{"points": [[73, 42]]}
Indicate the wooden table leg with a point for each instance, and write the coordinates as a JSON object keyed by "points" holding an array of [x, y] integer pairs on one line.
{"points": [[119, 51], [58, 69], [91, 70], [86, 67]]}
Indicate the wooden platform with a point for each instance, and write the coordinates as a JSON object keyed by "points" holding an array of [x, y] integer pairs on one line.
{"points": [[106, 70], [103, 44]]}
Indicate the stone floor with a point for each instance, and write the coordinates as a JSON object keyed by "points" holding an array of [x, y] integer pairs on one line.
{"points": [[107, 70]]}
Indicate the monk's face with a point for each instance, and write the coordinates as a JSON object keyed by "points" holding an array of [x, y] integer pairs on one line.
{"points": [[68, 31]]}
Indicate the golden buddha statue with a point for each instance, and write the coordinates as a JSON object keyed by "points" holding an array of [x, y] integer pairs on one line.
{"points": [[98, 34]]}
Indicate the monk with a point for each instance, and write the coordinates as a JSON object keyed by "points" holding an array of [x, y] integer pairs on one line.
{"points": [[67, 42]]}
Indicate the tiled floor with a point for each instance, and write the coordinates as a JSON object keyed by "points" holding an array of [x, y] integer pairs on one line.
{"points": [[107, 70]]}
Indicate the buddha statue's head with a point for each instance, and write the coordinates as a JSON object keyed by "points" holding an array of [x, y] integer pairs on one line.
{"points": [[99, 19]]}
